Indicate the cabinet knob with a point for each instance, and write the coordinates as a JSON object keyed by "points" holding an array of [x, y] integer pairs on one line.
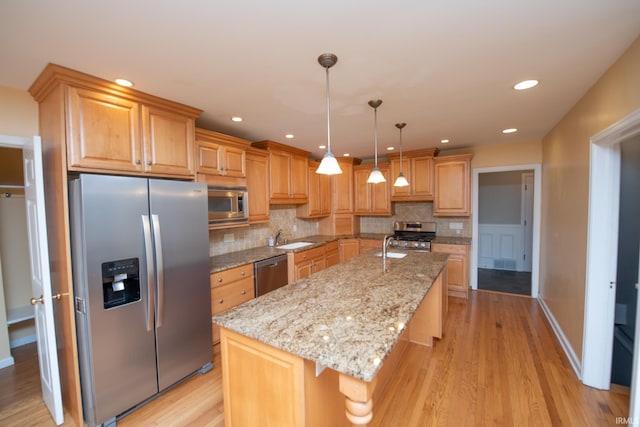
{"points": [[242, 273], [219, 279], [149, 162], [243, 292], [220, 300], [304, 256], [138, 162]]}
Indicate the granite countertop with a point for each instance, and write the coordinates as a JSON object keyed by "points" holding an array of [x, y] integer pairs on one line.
{"points": [[452, 240], [347, 317]]}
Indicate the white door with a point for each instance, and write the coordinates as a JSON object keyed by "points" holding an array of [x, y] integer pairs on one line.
{"points": [[40, 278], [527, 219]]}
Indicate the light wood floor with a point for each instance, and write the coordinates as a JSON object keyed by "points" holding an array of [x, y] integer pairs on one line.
{"points": [[498, 364]]}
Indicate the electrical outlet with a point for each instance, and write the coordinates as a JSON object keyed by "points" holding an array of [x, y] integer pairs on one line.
{"points": [[294, 227], [228, 238], [455, 226]]}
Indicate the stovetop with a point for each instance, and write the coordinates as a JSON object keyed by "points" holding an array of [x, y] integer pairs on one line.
{"points": [[413, 235]]}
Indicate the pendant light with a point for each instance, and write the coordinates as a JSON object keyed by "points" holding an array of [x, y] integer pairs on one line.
{"points": [[329, 165], [375, 176], [401, 181]]}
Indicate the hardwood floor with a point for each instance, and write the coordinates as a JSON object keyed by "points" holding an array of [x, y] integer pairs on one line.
{"points": [[498, 364]]}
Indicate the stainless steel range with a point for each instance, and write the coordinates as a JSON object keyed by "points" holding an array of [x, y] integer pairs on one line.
{"points": [[413, 235]]}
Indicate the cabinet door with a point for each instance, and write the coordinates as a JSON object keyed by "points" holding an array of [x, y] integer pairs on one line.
{"points": [[168, 141], [208, 156], [103, 132], [362, 195], [298, 179], [325, 194], [452, 193], [342, 190], [258, 186], [422, 177], [333, 258], [314, 205], [381, 195], [318, 264], [279, 174], [348, 249], [302, 270], [234, 162]]}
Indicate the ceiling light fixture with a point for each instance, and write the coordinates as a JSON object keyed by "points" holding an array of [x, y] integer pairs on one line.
{"points": [[525, 84], [401, 181], [510, 130], [444, 141], [391, 148], [237, 119], [329, 165], [375, 176], [124, 82], [289, 136]]}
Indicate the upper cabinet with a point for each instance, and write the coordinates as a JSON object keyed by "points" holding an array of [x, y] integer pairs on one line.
{"points": [[287, 173], [112, 129], [452, 177], [258, 185], [417, 167], [319, 192], [372, 199], [341, 220], [220, 158]]}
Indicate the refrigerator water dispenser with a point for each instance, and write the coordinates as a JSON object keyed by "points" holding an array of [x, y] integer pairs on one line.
{"points": [[120, 282]]}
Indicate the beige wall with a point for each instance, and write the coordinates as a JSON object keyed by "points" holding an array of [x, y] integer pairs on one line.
{"points": [[501, 154], [18, 112], [565, 190]]}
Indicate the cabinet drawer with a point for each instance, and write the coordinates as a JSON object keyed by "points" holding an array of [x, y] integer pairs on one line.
{"points": [[449, 249], [224, 277], [228, 296], [309, 254], [331, 246]]}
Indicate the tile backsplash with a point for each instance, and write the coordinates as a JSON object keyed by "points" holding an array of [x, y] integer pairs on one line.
{"points": [[284, 217]]}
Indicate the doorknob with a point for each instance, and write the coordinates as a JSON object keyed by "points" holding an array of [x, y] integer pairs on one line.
{"points": [[34, 301]]}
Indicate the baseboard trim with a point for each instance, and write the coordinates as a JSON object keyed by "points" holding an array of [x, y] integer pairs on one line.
{"points": [[564, 343], [28, 339], [6, 362]]}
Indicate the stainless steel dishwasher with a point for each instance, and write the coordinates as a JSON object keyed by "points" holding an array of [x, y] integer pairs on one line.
{"points": [[270, 274]]}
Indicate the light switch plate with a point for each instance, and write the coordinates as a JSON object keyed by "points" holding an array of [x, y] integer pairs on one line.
{"points": [[455, 226]]}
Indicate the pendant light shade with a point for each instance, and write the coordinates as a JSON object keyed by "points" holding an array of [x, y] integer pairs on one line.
{"points": [[329, 165], [401, 181], [375, 177]]}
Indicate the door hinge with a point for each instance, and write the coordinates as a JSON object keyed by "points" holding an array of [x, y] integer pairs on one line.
{"points": [[80, 306]]}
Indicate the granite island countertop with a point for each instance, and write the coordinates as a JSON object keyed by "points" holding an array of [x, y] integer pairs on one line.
{"points": [[347, 317]]}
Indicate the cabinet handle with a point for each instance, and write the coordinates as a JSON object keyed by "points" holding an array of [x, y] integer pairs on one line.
{"points": [[138, 162], [243, 292], [219, 279], [220, 300]]}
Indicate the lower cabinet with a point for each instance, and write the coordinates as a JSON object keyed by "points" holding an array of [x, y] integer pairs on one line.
{"points": [[332, 254], [368, 244], [304, 263], [348, 249], [230, 288], [457, 268]]}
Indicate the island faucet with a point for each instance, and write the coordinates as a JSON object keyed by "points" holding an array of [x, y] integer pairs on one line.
{"points": [[385, 243], [277, 239]]}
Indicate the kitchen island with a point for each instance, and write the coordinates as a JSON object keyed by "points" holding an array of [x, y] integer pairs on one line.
{"points": [[296, 356]]}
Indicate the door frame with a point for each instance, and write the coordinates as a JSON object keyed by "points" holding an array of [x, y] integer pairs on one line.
{"points": [[602, 250], [526, 202], [537, 198]]}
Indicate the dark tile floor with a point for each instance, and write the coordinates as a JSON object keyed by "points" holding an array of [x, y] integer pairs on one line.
{"points": [[513, 282]]}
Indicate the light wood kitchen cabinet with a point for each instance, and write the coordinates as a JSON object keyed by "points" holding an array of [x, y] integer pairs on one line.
{"points": [[417, 167], [341, 220], [304, 263], [457, 268], [332, 254], [365, 245], [219, 155], [230, 288], [452, 185], [372, 199], [287, 173], [115, 131], [348, 249], [257, 185], [319, 192]]}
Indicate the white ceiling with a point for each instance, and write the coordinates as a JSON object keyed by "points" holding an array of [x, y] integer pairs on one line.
{"points": [[446, 68]]}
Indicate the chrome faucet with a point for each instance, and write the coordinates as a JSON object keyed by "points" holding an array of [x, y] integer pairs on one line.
{"points": [[277, 239], [385, 243]]}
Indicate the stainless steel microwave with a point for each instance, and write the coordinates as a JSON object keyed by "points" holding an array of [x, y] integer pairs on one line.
{"points": [[227, 205]]}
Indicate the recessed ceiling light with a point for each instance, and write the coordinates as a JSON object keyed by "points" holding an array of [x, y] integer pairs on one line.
{"points": [[346, 155], [236, 119], [510, 130], [289, 136], [391, 148], [444, 141], [322, 147], [525, 84], [124, 82]]}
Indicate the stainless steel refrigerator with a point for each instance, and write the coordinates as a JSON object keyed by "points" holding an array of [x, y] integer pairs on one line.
{"points": [[140, 251]]}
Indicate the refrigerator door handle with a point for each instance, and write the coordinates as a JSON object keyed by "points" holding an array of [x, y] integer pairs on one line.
{"points": [[148, 248], [157, 240]]}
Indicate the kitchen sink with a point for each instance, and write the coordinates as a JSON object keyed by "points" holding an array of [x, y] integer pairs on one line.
{"points": [[393, 254], [295, 245]]}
